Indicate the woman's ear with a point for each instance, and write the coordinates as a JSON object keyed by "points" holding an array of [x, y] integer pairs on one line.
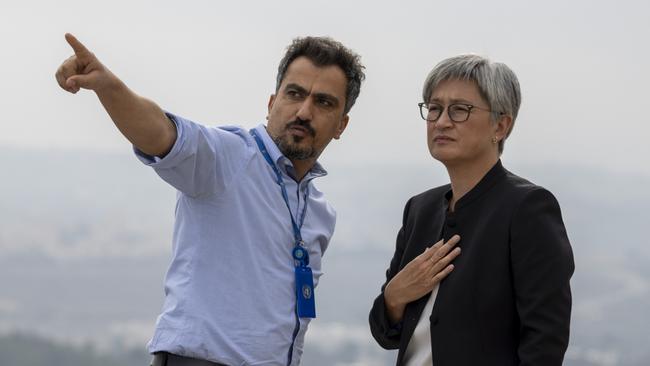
{"points": [[502, 127]]}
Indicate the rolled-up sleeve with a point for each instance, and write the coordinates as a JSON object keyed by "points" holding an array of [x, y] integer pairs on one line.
{"points": [[203, 160]]}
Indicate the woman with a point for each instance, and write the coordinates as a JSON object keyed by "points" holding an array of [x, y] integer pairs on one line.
{"points": [[506, 299]]}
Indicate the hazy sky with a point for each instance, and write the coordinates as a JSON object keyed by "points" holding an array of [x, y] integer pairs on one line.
{"points": [[583, 67]]}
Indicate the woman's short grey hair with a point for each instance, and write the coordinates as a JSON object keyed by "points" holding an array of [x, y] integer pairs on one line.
{"points": [[497, 84]]}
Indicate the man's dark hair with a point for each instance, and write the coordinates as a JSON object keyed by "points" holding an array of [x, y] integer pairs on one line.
{"points": [[324, 51]]}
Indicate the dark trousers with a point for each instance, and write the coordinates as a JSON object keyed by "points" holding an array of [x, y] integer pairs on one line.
{"points": [[170, 359]]}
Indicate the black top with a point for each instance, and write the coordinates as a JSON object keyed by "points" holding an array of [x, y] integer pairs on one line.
{"points": [[508, 299]]}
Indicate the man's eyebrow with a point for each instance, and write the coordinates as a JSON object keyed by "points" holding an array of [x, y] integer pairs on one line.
{"points": [[304, 91], [329, 97], [296, 87]]}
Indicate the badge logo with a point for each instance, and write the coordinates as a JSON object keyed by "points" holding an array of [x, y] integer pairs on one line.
{"points": [[306, 292]]}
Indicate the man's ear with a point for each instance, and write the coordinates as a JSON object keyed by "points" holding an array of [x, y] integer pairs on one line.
{"points": [[343, 123], [271, 101]]}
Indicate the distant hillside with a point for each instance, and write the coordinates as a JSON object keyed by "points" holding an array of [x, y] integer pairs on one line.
{"points": [[91, 233], [30, 350]]}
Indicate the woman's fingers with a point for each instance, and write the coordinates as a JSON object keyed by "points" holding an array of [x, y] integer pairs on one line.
{"points": [[441, 249], [419, 276], [442, 263], [443, 256], [441, 275], [429, 252]]}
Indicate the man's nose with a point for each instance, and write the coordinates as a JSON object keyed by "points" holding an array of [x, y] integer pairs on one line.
{"points": [[305, 110]]}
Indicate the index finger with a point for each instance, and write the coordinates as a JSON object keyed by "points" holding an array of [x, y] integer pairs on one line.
{"points": [[77, 46]]}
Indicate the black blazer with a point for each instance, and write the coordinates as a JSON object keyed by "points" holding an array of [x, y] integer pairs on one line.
{"points": [[508, 300]]}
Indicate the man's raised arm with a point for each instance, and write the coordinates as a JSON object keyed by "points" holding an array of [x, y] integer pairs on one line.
{"points": [[139, 119]]}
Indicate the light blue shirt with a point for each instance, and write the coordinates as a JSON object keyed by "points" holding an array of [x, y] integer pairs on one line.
{"points": [[230, 289]]}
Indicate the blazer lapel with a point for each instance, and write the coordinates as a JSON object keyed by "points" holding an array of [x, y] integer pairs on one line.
{"points": [[426, 231]]}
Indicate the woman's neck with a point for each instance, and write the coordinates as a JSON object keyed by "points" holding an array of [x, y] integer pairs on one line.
{"points": [[465, 176]]}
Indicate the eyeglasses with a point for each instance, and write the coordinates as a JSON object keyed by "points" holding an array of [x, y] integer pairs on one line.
{"points": [[457, 112]]}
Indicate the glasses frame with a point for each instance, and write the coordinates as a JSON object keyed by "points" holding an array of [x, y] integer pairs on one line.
{"points": [[423, 106]]}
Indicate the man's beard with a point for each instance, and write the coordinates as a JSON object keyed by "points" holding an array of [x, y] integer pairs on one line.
{"points": [[288, 144]]}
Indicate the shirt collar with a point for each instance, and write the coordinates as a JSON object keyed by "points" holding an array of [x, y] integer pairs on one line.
{"points": [[282, 161], [489, 179]]}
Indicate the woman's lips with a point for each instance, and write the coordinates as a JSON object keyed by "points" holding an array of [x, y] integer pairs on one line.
{"points": [[443, 139]]}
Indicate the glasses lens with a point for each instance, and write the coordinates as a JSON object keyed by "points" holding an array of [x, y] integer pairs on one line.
{"points": [[458, 112], [432, 111], [423, 110]]}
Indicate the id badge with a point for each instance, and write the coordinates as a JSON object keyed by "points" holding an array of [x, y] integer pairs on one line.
{"points": [[305, 292]]}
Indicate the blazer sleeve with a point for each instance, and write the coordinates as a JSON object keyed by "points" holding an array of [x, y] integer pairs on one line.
{"points": [[386, 334], [542, 265]]}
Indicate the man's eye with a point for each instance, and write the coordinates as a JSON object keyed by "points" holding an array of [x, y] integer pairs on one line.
{"points": [[325, 102], [293, 94]]}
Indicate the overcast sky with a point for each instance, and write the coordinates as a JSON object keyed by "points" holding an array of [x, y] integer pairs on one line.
{"points": [[582, 65]]}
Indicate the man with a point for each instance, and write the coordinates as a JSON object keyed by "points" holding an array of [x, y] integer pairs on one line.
{"points": [[250, 226]]}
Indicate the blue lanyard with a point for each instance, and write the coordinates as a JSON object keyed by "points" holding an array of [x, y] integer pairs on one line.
{"points": [[280, 181], [304, 278]]}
